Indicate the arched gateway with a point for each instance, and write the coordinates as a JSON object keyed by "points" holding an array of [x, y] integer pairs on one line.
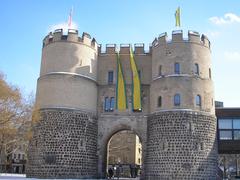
{"points": [[85, 95]]}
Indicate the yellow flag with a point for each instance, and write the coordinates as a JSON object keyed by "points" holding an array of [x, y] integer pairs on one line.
{"points": [[177, 17], [120, 88], [136, 85]]}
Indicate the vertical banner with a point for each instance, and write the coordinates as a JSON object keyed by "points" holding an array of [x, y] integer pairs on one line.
{"points": [[136, 85], [120, 88]]}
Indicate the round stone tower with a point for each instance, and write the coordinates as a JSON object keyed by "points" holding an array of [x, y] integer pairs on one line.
{"points": [[181, 140], [64, 143]]}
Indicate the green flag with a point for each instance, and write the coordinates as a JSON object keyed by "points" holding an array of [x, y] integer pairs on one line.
{"points": [[136, 84], [120, 88], [177, 17]]}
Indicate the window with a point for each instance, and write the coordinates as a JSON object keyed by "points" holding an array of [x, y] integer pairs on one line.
{"points": [[225, 124], [160, 70], [177, 68], [236, 123], [236, 135], [196, 69], [210, 73], [109, 104], [177, 100], [198, 100], [112, 102], [159, 101], [139, 74], [19, 156], [229, 129], [110, 77], [106, 104], [225, 135]]}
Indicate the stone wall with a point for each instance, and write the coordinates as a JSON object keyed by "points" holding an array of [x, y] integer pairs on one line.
{"points": [[181, 145], [64, 145]]}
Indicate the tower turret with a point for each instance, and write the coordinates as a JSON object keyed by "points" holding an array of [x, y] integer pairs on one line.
{"points": [[64, 142], [182, 125]]}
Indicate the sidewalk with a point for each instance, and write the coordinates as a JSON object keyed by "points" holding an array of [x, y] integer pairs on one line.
{"points": [[5, 176]]}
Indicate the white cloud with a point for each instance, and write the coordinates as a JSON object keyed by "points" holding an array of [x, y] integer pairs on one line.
{"points": [[63, 25], [228, 18], [232, 56]]}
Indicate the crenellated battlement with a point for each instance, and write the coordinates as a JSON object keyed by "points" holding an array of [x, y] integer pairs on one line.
{"points": [[138, 48], [71, 36], [177, 37]]}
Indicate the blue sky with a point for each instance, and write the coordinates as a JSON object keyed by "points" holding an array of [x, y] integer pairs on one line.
{"points": [[24, 23]]}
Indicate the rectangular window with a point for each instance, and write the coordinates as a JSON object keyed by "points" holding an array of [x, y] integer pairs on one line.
{"points": [[225, 135], [236, 123], [139, 74], [112, 103], [160, 70], [107, 104], [225, 123], [177, 100], [177, 68], [236, 135], [110, 77]]}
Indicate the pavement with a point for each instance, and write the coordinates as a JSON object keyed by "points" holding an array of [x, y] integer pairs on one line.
{"points": [[5, 176]]}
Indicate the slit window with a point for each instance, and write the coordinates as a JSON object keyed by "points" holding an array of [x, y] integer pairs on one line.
{"points": [[139, 74], [110, 77], [210, 73], [196, 69], [159, 101], [160, 70]]}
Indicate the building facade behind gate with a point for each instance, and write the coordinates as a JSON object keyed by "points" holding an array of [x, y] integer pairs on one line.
{"points": [[76, 95]]}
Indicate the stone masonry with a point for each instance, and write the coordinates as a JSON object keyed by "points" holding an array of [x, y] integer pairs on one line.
{"points": [[64, 145], [180, 146]]}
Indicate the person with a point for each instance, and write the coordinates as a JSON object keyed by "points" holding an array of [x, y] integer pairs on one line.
{"points": [[110, 173], [131, 170], [118, 172]]}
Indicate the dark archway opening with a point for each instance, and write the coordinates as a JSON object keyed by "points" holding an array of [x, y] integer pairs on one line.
{"points": [[124, 155]]}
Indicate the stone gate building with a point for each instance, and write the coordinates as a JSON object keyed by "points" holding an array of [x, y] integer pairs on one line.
{"points": [[76, 98]]}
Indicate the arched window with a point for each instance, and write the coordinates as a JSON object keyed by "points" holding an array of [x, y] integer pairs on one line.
{"points": [[160, 70], [177, 68], [177, 100], [159, 101], [210, 73], [198, 100], [196, 69]]}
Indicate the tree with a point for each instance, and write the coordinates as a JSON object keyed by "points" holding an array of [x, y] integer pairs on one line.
{"points": [[15, 120]]}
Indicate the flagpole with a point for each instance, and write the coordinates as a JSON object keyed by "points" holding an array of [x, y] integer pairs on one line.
{"points": [[70, 18]]}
